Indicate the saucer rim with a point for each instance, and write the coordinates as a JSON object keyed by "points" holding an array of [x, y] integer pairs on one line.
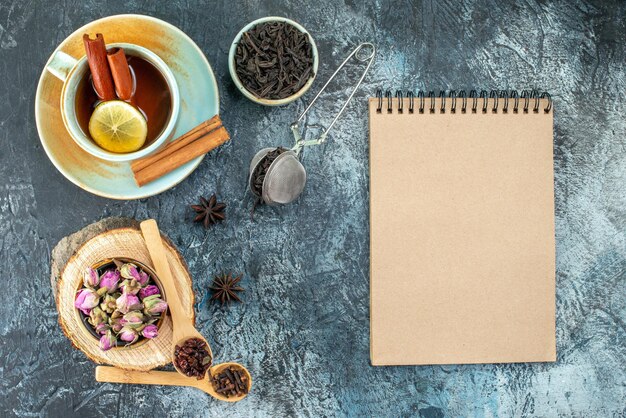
{"points": [[193, 164]]}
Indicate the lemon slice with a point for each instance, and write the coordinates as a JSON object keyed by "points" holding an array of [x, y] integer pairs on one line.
{"points": [[117, 126]]}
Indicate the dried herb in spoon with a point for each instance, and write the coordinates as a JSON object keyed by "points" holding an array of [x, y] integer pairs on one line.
{"points": [[274, 60], [192, 358], [231, 381]]}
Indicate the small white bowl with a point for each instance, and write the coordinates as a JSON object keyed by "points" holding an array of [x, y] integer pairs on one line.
{"points": [[233, 72]]}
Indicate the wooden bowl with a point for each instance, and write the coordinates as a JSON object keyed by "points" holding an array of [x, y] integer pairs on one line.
{"points": [[109, 262], [118, 243]]}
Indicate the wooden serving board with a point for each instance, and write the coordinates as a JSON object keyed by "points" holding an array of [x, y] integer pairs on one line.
{"points": [[113, 237]]}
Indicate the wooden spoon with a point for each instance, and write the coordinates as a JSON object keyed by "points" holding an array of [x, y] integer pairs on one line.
{"points": [[155, 377], [182, 323]]}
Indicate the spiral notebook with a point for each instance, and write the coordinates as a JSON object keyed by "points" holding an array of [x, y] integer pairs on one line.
{"points": [[461, 228]]}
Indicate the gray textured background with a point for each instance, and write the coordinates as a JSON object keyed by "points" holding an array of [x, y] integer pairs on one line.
{"points": [[303, 330]]}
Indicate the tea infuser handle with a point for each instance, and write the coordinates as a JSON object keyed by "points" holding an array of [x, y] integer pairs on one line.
{"points": [[360, 54]]}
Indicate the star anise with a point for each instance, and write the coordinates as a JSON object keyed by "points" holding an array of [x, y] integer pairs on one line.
{"points": [[209, 212], [224, 287]]}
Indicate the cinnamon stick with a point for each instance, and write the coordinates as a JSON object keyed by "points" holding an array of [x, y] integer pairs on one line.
{"points": [[185, 139], [183, 155], [96, 52], [121, 73]]}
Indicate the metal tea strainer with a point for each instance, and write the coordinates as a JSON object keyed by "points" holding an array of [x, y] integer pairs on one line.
{"points": [[285, 177]]}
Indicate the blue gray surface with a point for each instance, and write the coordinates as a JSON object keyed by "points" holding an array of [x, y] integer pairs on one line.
{"points": [[303, 331]]}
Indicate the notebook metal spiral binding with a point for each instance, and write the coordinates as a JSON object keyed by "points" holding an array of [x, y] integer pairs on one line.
{"points": [[499, 98]]}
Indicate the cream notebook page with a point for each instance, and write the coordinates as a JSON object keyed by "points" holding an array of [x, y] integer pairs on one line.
{"points": [[461, 235]]}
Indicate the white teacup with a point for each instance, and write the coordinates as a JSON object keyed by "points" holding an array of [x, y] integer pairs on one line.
{"points": [[71, 71]]}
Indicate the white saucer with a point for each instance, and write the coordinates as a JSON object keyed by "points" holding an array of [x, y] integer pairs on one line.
{"points": [[198, 93]]}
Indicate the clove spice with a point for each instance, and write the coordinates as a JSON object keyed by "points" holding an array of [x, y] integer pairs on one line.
{"points": [[231, 381]]}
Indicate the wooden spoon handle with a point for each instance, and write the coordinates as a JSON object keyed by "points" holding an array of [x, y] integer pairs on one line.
{"points": [[154, 242], [153, 377]]}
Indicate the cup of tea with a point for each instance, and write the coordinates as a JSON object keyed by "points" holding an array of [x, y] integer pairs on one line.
{"points": [[156, 96]]}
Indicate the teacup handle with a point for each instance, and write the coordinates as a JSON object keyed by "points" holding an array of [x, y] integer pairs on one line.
{"points": [[61, 64]]}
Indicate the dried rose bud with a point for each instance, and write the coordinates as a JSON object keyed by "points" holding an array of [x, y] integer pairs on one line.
{"points": [[102, 328], [150, 331], [107, 341], [109, 304], [91, 278], [143, 278], [110, 280], [130, 271], [129, 335], [130, 286], [98, 316], [133, 319], [154, 305], [127, 302], [127, 269], [86, 299], [149, 291], [116, 323]]}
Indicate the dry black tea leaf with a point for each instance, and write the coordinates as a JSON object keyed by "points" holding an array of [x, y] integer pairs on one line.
{"points": [[258, 175], [274, 60]]}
